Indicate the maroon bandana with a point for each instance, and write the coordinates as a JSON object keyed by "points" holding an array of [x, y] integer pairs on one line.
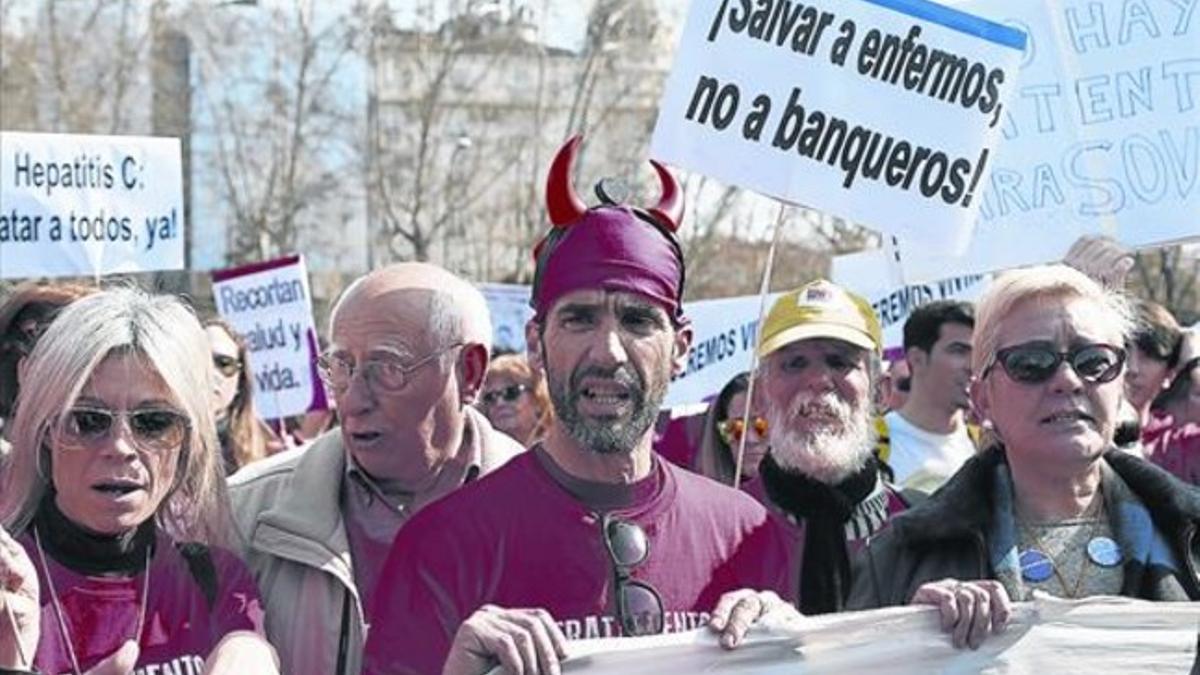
{"points": [[611, 247]]}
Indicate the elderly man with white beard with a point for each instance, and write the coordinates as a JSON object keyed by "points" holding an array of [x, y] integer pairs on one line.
{"points": [[820, 356]]}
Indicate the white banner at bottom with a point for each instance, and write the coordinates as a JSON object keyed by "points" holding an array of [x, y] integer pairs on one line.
{"points": [[1048, 635]]}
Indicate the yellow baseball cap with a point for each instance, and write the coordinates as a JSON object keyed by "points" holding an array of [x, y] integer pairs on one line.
{"points": [[820, 309]]}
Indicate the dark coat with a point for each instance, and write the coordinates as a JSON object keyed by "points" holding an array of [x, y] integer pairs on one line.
{"points": [[946, 536]]}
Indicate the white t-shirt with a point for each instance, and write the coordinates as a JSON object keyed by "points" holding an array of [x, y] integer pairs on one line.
{"points": [[921, 459]]}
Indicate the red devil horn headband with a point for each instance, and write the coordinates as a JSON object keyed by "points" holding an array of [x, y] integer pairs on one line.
{"points": [[564, 206]]}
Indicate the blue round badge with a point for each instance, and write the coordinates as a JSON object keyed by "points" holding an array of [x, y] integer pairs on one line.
{"points": [[1104, 552], [1036, 566]]}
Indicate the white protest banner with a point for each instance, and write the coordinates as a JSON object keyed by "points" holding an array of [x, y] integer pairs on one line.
{"points": [[510, 310], [884, 112], [725, 332], [73, 205], [865, 273], [1102, 135], [1046, 635], [270, 305]]}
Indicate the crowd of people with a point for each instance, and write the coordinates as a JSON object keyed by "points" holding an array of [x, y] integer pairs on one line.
{"points": [[466, 509]]}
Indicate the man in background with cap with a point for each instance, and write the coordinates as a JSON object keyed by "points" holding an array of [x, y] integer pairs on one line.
{"points": [[589, 534], [821, 480]]}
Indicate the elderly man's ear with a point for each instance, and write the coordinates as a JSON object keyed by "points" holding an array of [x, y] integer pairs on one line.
{"points": [[474, 360]]}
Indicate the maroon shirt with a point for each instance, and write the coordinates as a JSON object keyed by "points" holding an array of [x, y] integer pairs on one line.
{"points": [[1175, 447], [180, 627], [518, 538]]}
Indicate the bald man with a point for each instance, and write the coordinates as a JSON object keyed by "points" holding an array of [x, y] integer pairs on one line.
{"points": [[409, 351]]}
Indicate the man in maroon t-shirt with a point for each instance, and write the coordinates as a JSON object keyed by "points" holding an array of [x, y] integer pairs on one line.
{"points": [[589, 533]]}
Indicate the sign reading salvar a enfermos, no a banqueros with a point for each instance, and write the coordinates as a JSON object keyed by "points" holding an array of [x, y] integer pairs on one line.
{"points": [[75, 205], [884, 112]]}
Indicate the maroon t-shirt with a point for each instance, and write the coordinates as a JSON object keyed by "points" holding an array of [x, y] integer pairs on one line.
{"points": [[1174, 447], [181, 628], [517, 538]]}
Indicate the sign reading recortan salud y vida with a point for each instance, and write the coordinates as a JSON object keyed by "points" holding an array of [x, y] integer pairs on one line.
{"points": [[73, 205], [269, 304], [884, 112], [1102, 135]]}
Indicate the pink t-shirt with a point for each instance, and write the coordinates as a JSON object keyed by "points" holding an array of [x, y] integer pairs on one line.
{"points": [[1174, 447], [516, 538], [180, 627]]}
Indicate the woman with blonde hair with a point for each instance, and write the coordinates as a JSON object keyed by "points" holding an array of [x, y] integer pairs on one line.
{"points": [[515, 399], [1051, 505], [243, 436], [117, 502]]}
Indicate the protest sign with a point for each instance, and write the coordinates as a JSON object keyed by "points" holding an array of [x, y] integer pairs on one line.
{"points": [[269, 304], [866, 273], [1050, 635], [725, 333], [510, 310], [73, 205], [1102, 135], [884, 112]]}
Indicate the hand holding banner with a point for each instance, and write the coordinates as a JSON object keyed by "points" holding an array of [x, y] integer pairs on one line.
{"points": [[1098, 634]]}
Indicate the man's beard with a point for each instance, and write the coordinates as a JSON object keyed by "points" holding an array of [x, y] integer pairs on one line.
{"points": [[607, 436], [828, 454]]}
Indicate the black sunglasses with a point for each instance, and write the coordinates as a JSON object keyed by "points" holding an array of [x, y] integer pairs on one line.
{"points": [[508, 394], [639, 606], [1036, 362]]}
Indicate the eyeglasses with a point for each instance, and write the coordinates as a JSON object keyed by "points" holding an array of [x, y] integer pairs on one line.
{"points": [[507, 394], [226, 365], [731, 429], [152, 429], [1036, 362], [382, 375], [639, 606]]}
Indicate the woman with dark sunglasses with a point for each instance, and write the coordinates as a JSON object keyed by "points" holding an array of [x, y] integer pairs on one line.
{"points": [[725, 425], [1049, 505], [114, 468], [515, 399], [243, 436]]}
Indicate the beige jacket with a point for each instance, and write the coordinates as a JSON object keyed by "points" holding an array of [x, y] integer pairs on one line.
{"points": [[288, 513]]}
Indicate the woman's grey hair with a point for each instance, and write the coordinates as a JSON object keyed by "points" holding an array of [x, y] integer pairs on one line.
{"points": [[166, 334], [1044, 281]]}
